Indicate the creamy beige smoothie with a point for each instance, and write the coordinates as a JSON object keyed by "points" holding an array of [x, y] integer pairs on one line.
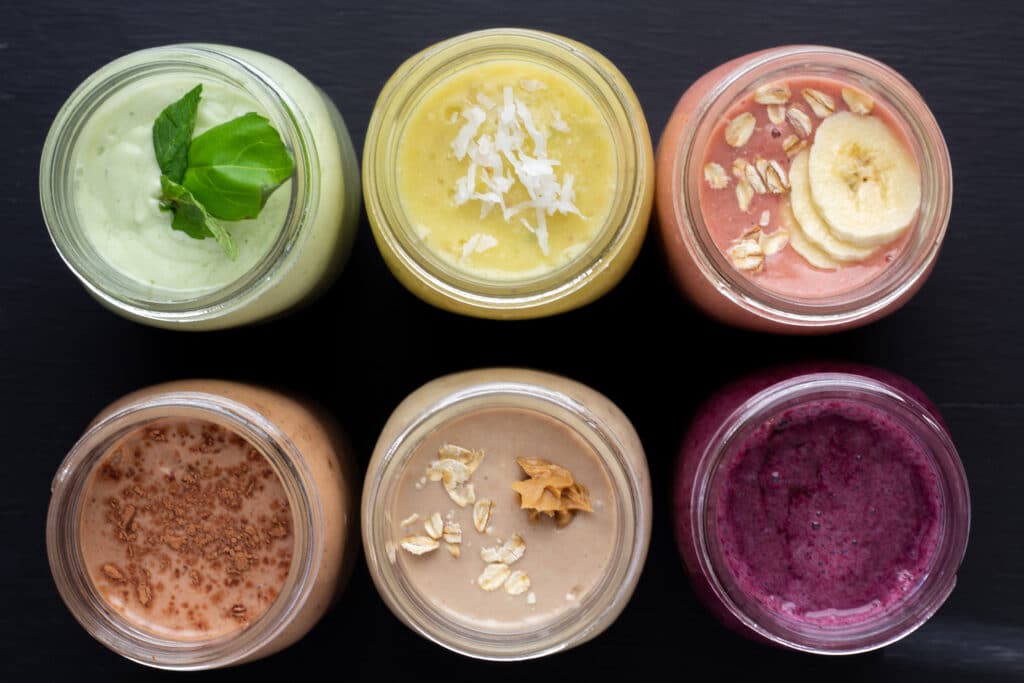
{"points": [[506, 512], [186, 530], [560, 563]]}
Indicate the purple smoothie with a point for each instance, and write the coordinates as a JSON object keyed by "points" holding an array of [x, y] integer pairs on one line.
{"points": [[766, 453], [829, 513]]}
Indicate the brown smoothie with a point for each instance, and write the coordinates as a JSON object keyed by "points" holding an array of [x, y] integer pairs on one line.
{"points": [[186, 530], [190, 534], [564, 556]]}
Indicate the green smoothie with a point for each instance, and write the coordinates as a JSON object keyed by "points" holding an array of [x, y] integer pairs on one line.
{"points": [[117, 189]]}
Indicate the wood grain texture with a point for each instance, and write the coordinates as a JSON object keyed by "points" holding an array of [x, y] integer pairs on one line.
{"points": [[368, 343]]}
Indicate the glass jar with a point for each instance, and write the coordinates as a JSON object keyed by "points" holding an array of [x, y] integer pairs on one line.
{"points": [[309, 455], [711, 452], [319, 207], [600, 265], [701, 268], [587, 416]]}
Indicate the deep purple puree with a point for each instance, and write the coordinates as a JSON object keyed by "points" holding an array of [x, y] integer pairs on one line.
{"points": [[829, 512]]}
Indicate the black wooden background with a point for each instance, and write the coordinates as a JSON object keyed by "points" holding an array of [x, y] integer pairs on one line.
{"points": [[368, 343]]}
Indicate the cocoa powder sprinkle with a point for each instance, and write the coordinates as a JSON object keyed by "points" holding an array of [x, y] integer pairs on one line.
{"points": [[191, 518]]}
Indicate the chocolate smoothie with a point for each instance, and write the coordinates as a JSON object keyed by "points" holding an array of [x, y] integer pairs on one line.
{"points": [[186, 530]]}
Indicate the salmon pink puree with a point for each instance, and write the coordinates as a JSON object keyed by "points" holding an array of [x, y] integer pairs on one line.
{"points": [[801, 190], [786, 273]]}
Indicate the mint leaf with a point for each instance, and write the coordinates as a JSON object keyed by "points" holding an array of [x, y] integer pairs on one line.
{"points": [[172, 133], [191, 217], [234, 167]]}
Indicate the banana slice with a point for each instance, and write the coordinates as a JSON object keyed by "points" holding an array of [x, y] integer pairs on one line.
{"points": [[811, 224], [803, 246], [866, 185]]}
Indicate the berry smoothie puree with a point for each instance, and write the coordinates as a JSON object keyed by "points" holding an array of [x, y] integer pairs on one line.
{"points": [[757, 200], [829, 513], [821, 512]]}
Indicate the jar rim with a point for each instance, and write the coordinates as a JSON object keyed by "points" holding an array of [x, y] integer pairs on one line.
{"points": [[601, 81], [904, 616], [76, 586], [56, 195], [898, 280], [597, 609]]}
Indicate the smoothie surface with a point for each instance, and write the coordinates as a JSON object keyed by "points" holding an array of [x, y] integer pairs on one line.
{"points": [[503, 242], [117, 189], [788, 272], [830, 513]]}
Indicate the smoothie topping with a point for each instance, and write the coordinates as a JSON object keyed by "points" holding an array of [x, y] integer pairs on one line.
{"points": [[493, 576], [517, 583], [501, 159], [739, 130], [772, 93], [437, 529], [482, 512], [497, 571], [821, 104], [792, 145], [453, 469], [716, 176], [452, 533], [478, 244], [419, 545], [760, 177], [749, 251], [511, 551], [550, 490], [434, 526], [800, 121], [857, 101], [227, 173], [744, 194]]}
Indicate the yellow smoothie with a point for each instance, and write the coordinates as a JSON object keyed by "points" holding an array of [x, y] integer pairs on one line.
{"points": [[506, 170]]}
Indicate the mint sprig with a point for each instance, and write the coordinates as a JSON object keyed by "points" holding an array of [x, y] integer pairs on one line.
{"points": [[172, 133], [233, 168], [227, 173], [192, 218]]}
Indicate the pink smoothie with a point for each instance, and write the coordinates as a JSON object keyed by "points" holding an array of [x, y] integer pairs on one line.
{"points": [[829, 513], [705, 232], [786, 273]]}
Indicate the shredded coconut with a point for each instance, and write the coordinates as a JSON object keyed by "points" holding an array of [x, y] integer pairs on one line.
{"points": [[478, 243], [498, 162], [558, 124]]}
